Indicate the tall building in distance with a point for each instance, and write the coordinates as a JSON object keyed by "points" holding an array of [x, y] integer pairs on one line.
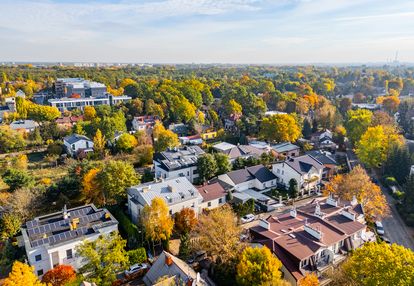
{"points": [[68, 87]]}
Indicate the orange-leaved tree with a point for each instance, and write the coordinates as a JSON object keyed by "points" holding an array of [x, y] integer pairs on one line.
{"points": [[60, 275]]}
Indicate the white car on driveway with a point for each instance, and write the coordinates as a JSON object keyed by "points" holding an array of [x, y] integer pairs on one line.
{"points": [[135, 268], [247, 218], [379, 227]]}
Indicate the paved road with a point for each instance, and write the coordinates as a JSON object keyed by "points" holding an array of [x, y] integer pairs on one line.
{"points": [[395, 228]]}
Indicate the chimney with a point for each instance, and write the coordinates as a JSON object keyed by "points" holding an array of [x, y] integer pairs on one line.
{"points": [[331, 201], [354, 201], [168, 260], [65, 212], [293, 212], [315, 232]]}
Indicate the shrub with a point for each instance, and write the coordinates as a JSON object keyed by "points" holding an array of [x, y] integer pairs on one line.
{"points": [[138, 255]]}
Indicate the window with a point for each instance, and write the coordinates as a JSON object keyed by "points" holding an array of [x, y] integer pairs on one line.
{"points": [[69, 254], [73, 147], [283, 172], [38, 257], [220, 200], [278, 171], [170, 212], [209, 204], [40, 272]]}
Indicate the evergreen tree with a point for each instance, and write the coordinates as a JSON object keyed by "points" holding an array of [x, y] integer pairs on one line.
{"points": [[314, 126], [184, 250], [307, 129]]}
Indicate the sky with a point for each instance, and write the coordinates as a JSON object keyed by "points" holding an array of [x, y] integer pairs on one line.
{"points": [[207, 31]]}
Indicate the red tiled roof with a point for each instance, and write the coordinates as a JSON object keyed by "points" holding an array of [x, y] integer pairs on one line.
{"points": [[211, 192]]}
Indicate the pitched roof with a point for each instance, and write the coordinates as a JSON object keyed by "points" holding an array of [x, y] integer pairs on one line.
{"points": [[75, 138], [303, 164], [178, 158], [285, 147], [323, 157], [258, 172], [212, 191], [23, 124]]}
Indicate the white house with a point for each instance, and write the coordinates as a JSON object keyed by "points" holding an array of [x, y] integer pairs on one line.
{"points": [[144, 123], [306, 170], [76, 143], [51, 240], [177, 162], [214, 195], [178, 193], [191, 140], [24, 125], [258, 177]]}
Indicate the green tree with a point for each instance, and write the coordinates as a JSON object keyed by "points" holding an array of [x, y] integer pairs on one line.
{"points": [[10, 224], [398, 163], [223, 163], [207, 167], [380, 264], [307, 129], [126, 142], [138, 255], [104, 258], [115, 178], [280, 128], [185, 248], [16, 179], [144, 155], [357, 123], [11, 140], [293, 188], [258, 266]]}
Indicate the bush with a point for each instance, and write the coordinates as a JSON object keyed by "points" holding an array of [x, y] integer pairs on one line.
{"points": [[16, 179], [390, 181], [138, 255]]}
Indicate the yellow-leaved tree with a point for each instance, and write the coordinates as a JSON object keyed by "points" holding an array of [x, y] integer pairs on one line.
{"points": [[280, 128], [310, 279], [22, 275], [257, 266]]}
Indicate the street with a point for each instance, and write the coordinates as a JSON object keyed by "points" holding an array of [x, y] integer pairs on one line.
{"points": [[395, 228]]}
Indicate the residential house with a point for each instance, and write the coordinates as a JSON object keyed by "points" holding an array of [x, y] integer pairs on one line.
{"points": [[9, 107], [51, 240], [328, 160], [75, 144], [254, 177], [191, 140], [208, 135], [170, 270], [214, 195], [67, 122], [177, 162], [260, 145], [24, 125], [144, 123], [238, 151], [286, 149], [324, 140], [178, 193], [306, 170], [180, 129], [314, 237]]}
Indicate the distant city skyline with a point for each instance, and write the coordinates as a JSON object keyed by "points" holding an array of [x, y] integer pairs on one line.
{"points": [[207, 31]]}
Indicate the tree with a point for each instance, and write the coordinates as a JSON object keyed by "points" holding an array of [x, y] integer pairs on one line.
{"points": [[357, 123], [23, 203], [99, 143], [258, 266], [345, 105], [374, 145], [11, 140], [398, 163], [89, 113], [157, 221], [382, 118], [207, 167], [390, 103], [104, 258], [185, 221], [280, 128], [22, 275], [20, 162], [10, 224], [126, 142], [380, 264], [310, 279], [16, 178], [357, 183], [163, 138], [60, 275], [185, 248], [219, 233], [307, 129], [138, 255], [114, 179], [293, 188], [233, 108], [91, 190], [223, 163], [144, 155]]}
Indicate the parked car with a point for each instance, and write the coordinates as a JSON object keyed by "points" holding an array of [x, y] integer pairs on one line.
{"points": [[135, 268], [197, 257], [385, 239], [247, 218], [380, 227]]}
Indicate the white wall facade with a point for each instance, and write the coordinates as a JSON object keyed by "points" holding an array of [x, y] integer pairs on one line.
{"points": [[213, 203], [285, 173], [190, 172], [72, 149]]}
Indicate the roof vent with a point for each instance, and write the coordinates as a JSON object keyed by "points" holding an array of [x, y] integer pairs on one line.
{"points": [[354, 201], [292, 235], [264, 223], [314, 231], [331, 201], [293, 212]]}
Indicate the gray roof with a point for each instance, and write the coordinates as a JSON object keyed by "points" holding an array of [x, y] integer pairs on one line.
{"points": [[23, 124], [243, 151], [55, 228], [285, 147], [304, 163], [173, 191], [323, 157], [178, 158], [75, 138], [258, 172]]}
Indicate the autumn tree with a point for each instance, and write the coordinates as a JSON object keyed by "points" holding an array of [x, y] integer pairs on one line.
{"points": [[144, 155], [164, 138], [390, 103], [89, 113], [310, 279], [157, 221], [280, 128], [60, 275], [382, 118], [91, 191], [223, 163], [357, 123], [257, 266], [219, 233], [374, 145], [11, 140], [380, 264], [207, 167], [22, 275], [233, 108], [114, 178], [185, 221], [10, 224], [99, 143], [357, 183], [126, 142], [104, 258]]}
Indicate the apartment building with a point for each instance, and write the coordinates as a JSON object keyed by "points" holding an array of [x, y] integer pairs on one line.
{"points": [[51, 240], [70, 103], [67, 87]]}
